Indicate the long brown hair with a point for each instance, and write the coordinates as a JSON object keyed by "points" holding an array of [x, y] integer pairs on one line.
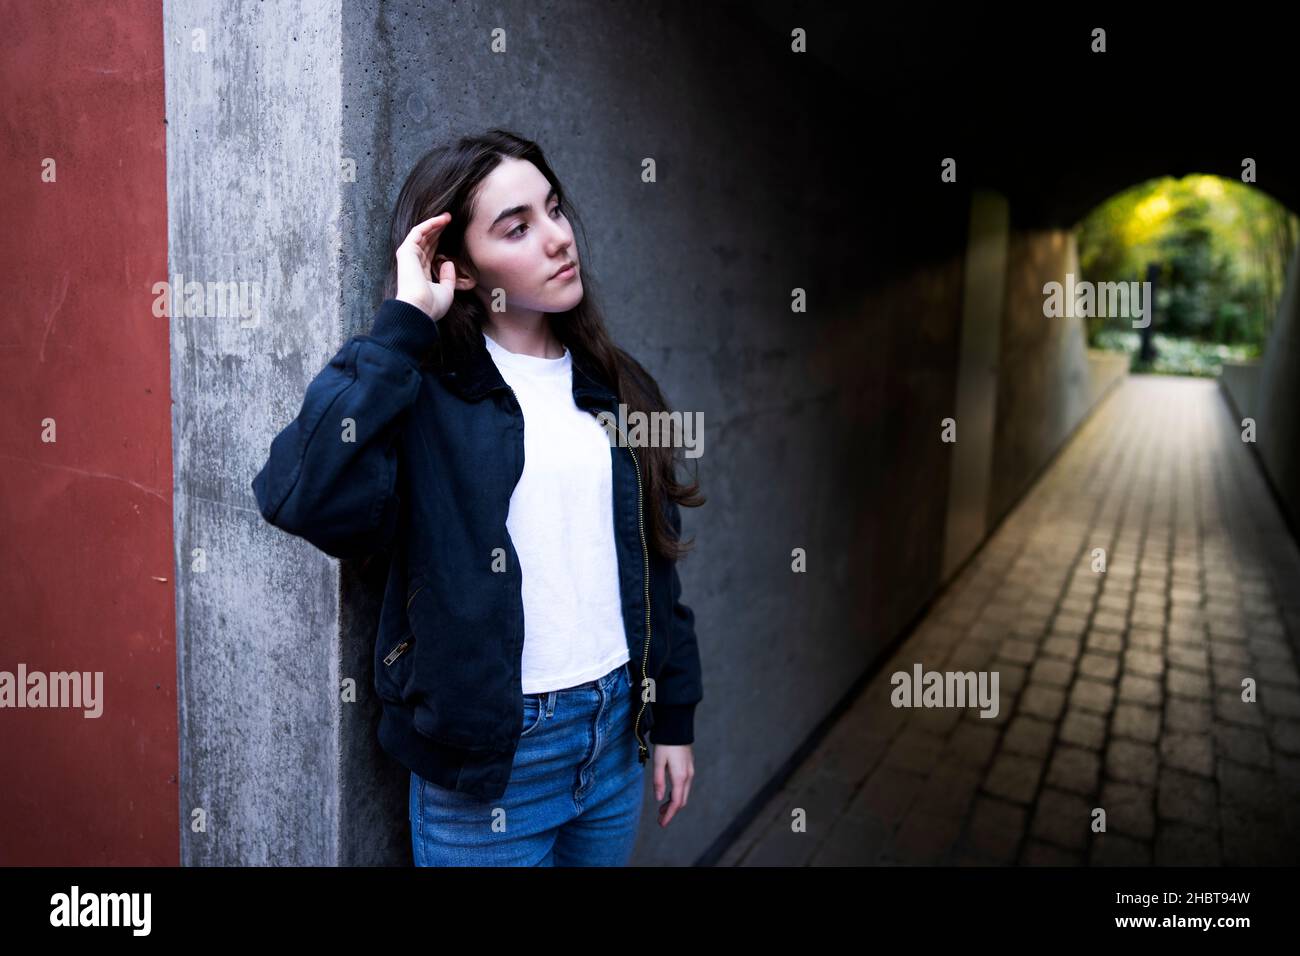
{"points": [[446, 178]]}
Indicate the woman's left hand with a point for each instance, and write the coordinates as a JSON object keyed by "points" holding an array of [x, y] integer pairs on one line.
{"points": [[680, 763]]}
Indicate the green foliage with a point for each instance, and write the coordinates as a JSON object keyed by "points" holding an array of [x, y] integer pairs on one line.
{"points": [[1221, 248], [1176, 356]]}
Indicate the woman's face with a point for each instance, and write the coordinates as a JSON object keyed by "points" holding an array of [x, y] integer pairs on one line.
{"points": [[518, 239]]}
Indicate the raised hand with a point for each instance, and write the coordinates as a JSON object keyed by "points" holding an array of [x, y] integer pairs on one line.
{"points": [[415, 283]]}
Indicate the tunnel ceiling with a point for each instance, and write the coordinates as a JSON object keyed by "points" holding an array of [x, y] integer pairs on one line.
{"points": [[1027, 109]]}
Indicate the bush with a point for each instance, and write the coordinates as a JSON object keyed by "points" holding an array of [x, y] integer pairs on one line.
{"points": [[1176, 356]]}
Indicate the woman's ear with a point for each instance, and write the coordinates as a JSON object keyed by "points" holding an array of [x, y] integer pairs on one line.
{"points": [[463, 281]]}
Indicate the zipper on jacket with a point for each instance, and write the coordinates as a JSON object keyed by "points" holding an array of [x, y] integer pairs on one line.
{"points": [[401, 648], [643, 751]]}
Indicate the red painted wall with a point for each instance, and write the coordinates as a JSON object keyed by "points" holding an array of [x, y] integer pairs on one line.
{"points": [[86, 532]]}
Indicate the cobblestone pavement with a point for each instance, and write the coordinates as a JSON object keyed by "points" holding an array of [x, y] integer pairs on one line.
{"points": [[1120, 690]]}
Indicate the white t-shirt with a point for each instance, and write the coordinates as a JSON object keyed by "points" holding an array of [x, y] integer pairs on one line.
{"points": [[561, 521]]}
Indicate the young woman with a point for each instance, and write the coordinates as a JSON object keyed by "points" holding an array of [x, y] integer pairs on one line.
{"points": [[532, 630]]}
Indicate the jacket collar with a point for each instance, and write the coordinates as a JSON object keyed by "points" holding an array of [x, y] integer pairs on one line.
{"points": [[476, 375]]}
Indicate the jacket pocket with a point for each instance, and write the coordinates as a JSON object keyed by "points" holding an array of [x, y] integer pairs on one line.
{"points": [[395, 660], [460, 693], [394, 668]]}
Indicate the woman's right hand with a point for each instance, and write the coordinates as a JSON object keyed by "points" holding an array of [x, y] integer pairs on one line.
{"points": [[415, 284]]}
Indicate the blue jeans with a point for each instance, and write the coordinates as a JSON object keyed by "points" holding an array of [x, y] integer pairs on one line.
{"points": [[574, 795]]}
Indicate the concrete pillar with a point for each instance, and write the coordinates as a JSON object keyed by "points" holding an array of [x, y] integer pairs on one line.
{"points": [[253, 186], [1047, 382], [983, 296]]}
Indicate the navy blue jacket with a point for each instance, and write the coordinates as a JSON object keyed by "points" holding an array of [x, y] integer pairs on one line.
{"points": [[427, 476]]}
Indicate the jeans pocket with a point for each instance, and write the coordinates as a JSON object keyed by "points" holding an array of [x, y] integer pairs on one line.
{"points": [[534, 713]]}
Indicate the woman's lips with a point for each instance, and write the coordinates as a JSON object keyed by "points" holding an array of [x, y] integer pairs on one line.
{"points": [[568, 272]]}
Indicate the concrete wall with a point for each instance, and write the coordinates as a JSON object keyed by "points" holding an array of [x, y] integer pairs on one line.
{"points": [[1105, 371], [1025, 382], [975, 410], [85, 463], [1048, 379], [253, 188], [1278, 398], [1269, 392], [1240, 383]]}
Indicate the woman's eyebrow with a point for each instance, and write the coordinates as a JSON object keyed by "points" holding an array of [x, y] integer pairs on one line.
{"points": [[527, 207]]}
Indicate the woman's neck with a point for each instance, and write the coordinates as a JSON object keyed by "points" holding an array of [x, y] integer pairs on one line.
{"points": [[531, 336]]}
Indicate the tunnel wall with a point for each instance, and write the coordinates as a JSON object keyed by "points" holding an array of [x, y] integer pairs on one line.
{"points": [[974, 412], [1048, 380], [1269, 392], [1240, 382]]}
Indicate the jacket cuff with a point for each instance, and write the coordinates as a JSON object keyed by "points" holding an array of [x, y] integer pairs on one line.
{"points": [[401, 326], [674, 724]]}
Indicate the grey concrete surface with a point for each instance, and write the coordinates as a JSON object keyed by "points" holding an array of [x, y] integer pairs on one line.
{"points": [[1269, 392], [253, 120], [975, 409], [1240, 383], [1106, 370], [1045, 381]]}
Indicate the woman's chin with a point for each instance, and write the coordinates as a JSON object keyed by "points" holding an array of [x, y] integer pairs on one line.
{"points": [[571, 297]]}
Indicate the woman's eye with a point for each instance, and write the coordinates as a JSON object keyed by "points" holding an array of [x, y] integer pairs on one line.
{"points": [[523, 225]]}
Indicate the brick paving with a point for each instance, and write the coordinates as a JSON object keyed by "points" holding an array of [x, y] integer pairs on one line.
{"points": [[1119, 690]]}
